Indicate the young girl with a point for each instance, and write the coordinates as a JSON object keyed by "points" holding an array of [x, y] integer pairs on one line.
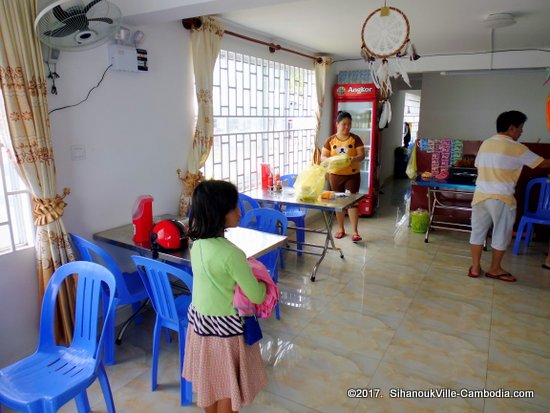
{"points": [[226, 372]]}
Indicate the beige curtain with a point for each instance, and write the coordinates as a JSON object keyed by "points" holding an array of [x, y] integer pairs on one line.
{"points": [[30, 147], [321, 69], [205, 44]]}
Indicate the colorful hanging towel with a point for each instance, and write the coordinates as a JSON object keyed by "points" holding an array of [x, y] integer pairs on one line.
{"points": [[244, 306]]}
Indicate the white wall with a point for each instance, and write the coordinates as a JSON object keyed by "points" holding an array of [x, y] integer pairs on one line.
{"points": [[19, 306], [466, 107], [136, 129]]}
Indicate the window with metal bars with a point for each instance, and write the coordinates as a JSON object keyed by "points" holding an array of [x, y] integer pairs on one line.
{"points": [[16, 227], [264, 112]]}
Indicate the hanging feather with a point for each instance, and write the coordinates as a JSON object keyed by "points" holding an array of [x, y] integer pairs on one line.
{"points": [[384, 79], [402, 72], [413, 56], [365, 54], [382, 122], [403, 51]]}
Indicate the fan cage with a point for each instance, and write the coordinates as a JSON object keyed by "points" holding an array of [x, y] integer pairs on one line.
{"points": [[95, 34]]}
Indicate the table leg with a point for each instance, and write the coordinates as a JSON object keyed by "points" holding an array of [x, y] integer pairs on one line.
{"points": [[431, 209], [328, 217]]}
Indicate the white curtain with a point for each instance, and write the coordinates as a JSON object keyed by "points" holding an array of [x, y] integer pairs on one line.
{"points": [[321, 68], [205, 44]]}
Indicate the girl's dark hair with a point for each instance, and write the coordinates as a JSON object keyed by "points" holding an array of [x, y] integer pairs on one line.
{"points": [[212, 200], [507, 119], [342, 115]]}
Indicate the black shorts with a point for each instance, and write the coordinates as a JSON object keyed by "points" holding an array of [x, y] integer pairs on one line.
{"points": [[341, 183]]}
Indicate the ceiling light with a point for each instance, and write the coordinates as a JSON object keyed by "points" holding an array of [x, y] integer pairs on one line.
{"points": [[496, 20]]}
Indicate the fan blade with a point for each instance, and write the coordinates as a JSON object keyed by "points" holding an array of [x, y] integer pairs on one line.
{"points": [[59, 13], [101, 19], [61, 32], [90, 5]]}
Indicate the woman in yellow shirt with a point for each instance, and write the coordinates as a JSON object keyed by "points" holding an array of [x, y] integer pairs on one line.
{"points": [[349, 177]]}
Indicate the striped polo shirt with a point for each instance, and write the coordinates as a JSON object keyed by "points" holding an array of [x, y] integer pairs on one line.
{"points": [[499, 163]]}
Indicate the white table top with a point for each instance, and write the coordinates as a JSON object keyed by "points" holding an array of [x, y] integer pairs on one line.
{"points": [[288, 197], [254, 243]]}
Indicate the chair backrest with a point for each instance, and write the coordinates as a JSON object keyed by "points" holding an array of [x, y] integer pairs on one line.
{"points": [[246, 203], [542, 210], [156, 277], [267, 220], [91, 252], [95, 293], [288, 180]]}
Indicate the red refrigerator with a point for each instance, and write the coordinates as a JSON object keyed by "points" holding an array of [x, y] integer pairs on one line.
{"points": [[361, 101]]}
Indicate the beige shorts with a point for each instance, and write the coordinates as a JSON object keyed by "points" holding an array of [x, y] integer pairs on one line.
{"points": [[500, 215]]}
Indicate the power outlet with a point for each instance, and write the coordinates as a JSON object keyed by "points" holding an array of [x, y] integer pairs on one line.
{"points": [[78, 152]]}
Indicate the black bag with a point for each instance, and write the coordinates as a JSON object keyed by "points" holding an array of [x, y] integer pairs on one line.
{"points": [[252, 331]]}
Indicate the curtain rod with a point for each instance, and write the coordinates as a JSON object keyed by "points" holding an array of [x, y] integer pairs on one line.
{"points": [[195, 23]]}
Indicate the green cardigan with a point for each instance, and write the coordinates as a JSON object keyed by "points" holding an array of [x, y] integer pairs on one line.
{"points": [[218, 266]]}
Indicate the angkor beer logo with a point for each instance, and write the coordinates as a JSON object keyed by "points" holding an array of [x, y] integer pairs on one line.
{"points": [[341, 91], [359, 90]]}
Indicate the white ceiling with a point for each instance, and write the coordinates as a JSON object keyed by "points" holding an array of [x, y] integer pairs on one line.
{"points": [[332, 27]]}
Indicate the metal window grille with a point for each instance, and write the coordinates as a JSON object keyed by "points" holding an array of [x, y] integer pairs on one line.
{"points": [[16, 227], [264, 112]]}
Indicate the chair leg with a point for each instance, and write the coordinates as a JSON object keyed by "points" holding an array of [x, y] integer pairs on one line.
{"points": [[138, 319], [106, 389], [300, 237], [529, 235], [82, 403], [109, 346], [185, 386], [156, 347], [519, 233]]}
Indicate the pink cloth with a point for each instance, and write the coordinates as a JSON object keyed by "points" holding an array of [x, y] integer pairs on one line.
{"points": [[244, 306]]}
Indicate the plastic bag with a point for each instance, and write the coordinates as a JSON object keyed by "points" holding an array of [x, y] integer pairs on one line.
{"points": [[411, 170], [310, 182], [337, 162]]}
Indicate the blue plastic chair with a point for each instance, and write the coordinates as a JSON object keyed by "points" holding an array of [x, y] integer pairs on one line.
{"points": [[541, 215], [171, 312], [272, 221], [246, 203], [130, 288], [294, 213], [54, 375]]}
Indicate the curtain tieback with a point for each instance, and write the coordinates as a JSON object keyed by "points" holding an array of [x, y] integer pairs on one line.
{"points": [[190, 181], [48, 210]]}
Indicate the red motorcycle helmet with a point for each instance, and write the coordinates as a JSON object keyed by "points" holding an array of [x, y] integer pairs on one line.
{"points": [[170, 234]]}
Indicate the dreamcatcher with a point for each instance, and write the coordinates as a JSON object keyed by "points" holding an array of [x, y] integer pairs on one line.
{"points": [[385, 36]]}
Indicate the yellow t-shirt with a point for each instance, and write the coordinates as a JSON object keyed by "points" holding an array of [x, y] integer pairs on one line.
{"points": [[349, 146]]}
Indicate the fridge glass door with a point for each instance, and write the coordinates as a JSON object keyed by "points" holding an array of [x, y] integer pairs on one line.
{"points": [[361, 113]]}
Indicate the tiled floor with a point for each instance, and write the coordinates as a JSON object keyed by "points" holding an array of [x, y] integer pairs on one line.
{"points": [[396, 313]]}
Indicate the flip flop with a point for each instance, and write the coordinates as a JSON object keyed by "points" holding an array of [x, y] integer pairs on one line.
{"points": [[502, 277], [471, 274], [340, 234], [546, 267], [356, 238]]}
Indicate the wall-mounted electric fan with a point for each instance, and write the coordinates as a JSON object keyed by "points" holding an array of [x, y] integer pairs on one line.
{"points": [[75, 25]]}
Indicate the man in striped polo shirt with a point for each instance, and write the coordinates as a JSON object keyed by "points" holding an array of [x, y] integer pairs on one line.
{"points": [[499, 163]]}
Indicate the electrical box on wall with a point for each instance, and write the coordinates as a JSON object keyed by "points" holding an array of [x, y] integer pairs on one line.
{"points": [[128, 58]]}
